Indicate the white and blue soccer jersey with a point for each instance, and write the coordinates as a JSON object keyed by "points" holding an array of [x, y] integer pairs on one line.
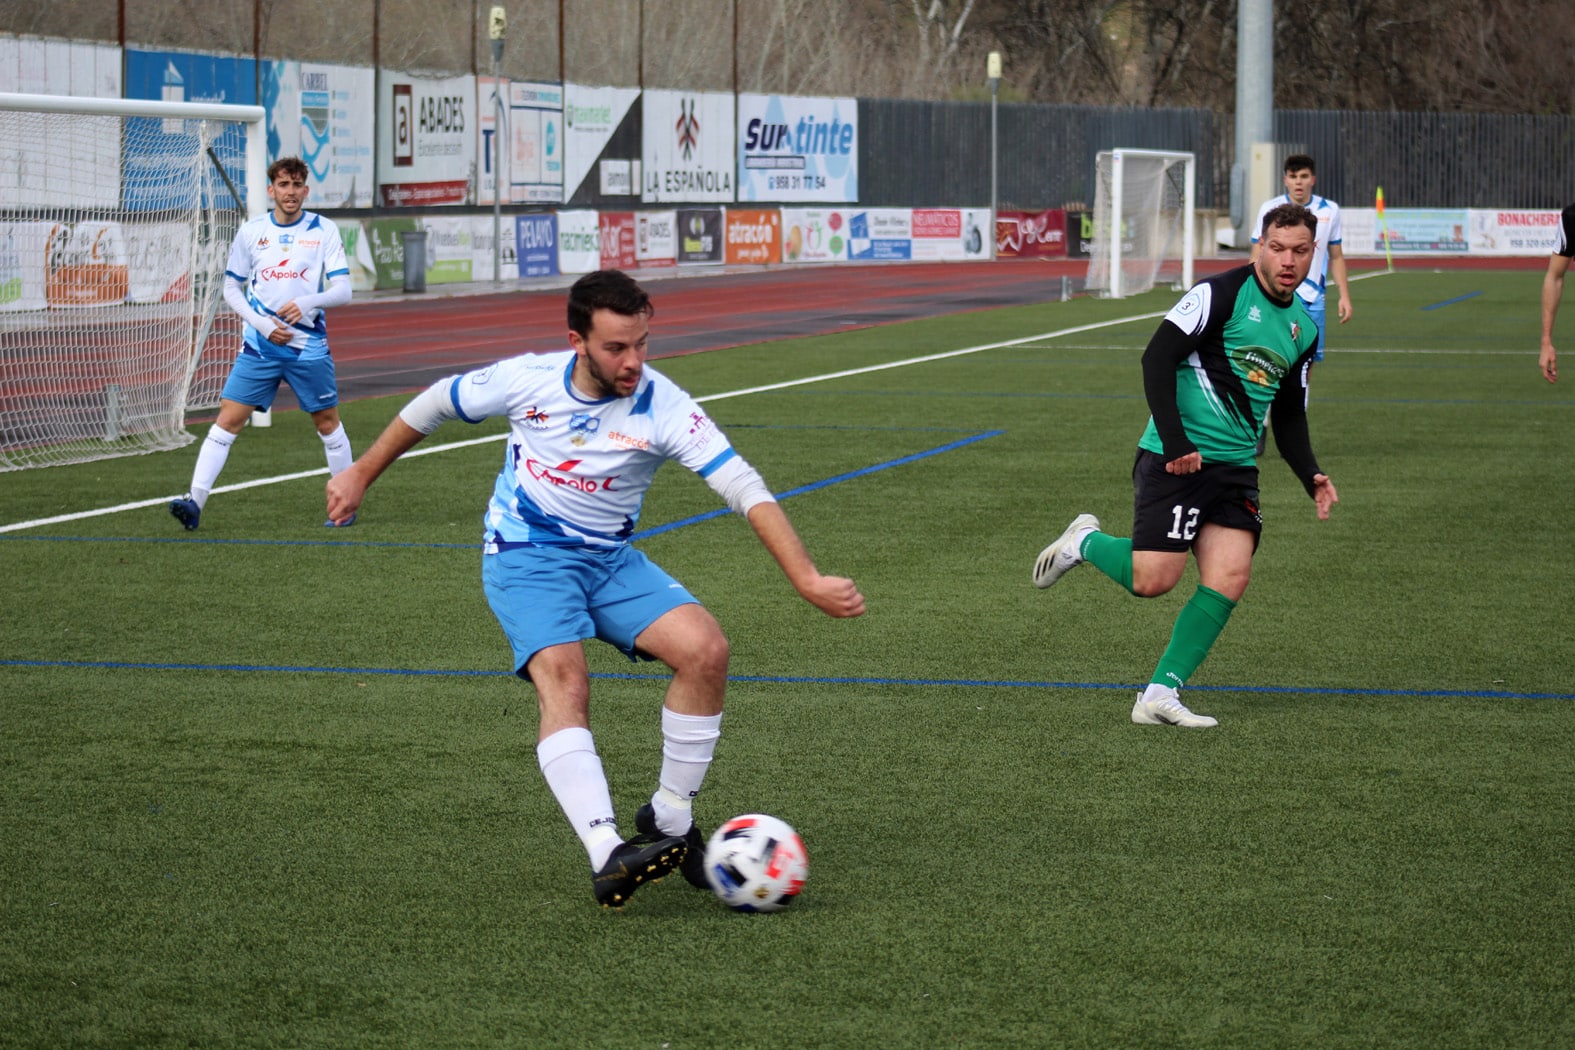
{"points": [[1329, 232], [278, 265], [576, 470]]}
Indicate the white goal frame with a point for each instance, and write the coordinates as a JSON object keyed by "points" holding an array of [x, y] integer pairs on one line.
{"points": [[253, 116], [1112, 230], [206, 292]]}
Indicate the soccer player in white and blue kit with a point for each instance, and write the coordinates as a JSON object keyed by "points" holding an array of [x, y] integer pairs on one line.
{"points": [[285, 268], [589, 426], [1329, 256]]}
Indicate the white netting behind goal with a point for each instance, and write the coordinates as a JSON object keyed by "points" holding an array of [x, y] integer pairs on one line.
{"points": [[1148, 194], [114, 230]]}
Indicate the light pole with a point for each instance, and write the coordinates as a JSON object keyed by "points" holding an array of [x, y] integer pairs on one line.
{"points": [[495, 29], [993, 71]]}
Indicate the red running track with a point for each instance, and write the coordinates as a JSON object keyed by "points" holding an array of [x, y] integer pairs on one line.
{"points": [[388, 344], [392, 346]]}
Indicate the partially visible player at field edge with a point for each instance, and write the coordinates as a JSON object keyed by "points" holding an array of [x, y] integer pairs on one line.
{"points": [[1553, 290], [1235, 344], [1328, 254], [589, 426], [285, 268]]}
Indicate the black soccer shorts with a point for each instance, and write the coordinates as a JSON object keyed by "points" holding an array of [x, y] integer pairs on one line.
{"points": [[1169, 509]]}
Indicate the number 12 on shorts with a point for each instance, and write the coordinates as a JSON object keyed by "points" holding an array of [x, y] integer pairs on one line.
{"points": [[1183, 523]]}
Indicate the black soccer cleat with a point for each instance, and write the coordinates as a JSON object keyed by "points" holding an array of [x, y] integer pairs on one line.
{"points": [[642, 859], [186, 512], [693, 867]]}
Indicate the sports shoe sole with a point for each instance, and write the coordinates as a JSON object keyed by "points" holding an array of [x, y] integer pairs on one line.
{"points": [[640, 860], [1047, 567]]}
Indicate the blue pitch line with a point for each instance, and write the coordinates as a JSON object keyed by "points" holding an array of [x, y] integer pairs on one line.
{"points": [[1452, 302], [656, 530], [843, 426], [975, 683], [812, 486], [240, 542]]}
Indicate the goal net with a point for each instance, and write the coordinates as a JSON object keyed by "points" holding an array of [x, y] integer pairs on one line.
{"points": [[1143, 221], [116, 217]]}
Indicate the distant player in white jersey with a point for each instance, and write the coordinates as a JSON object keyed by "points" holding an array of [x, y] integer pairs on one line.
{"points": [[589, 426], [285, 268], [1329, 258]]}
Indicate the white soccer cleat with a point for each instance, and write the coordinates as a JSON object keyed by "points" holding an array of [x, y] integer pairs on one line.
{"points": [[1164, 708], [1065, 553]]}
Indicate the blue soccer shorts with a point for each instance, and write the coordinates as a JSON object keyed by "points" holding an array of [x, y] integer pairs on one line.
{"points": [[255, 381], [551, 595]]}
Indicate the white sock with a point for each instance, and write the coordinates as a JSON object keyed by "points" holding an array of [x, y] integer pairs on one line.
{"points": [[688, 742], [337, 447], [210, 460], [573, 770], [1156, 691]]}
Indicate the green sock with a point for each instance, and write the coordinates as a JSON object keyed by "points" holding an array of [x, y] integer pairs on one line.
{"points": [[1111, 555], [1200, 622]]}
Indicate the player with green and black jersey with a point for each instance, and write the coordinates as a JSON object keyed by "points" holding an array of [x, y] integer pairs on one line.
{"points": [[1219, 364], [1234, 346]]}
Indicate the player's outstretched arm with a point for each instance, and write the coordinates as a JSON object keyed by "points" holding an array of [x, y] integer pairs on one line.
{"points": [[832, 595], [347, 488]]}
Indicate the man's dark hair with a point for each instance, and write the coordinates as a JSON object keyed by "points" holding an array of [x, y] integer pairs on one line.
{"points": [[1299, 162], [293, 166], [605, 290], [1289, 215]]}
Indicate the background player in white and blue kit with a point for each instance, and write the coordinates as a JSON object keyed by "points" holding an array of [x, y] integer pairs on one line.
{"points": [[589, 426], [1329, 256], [285, 268]]}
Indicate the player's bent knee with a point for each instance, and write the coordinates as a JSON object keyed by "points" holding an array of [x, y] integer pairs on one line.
{"points": [[1153, 584], [709, 655]]}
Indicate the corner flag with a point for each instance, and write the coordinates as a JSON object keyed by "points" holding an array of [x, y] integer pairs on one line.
{"points": [[1388, 259]]}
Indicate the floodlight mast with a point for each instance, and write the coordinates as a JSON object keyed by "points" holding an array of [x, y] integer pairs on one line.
{"points": [[496, 29], [993, 71]]}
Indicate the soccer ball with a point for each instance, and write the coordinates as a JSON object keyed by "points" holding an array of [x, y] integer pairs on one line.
{"points": [[756, 862]]}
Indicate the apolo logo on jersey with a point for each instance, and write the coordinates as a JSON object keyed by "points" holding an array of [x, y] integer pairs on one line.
{"points": [[535, 418], [563, 476], [280, 272]]}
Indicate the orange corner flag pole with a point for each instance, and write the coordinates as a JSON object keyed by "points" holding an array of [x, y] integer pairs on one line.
{"points": [[1383, 223]]}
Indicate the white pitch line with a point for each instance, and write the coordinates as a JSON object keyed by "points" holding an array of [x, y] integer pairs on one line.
{"points": [[450, 446]]}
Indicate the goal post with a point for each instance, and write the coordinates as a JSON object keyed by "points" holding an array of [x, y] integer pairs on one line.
{"points": [[1144, 218], [116, 217]]}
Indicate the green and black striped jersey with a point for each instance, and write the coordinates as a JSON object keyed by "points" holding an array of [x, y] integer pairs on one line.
{"points": [[1223, 355]]}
